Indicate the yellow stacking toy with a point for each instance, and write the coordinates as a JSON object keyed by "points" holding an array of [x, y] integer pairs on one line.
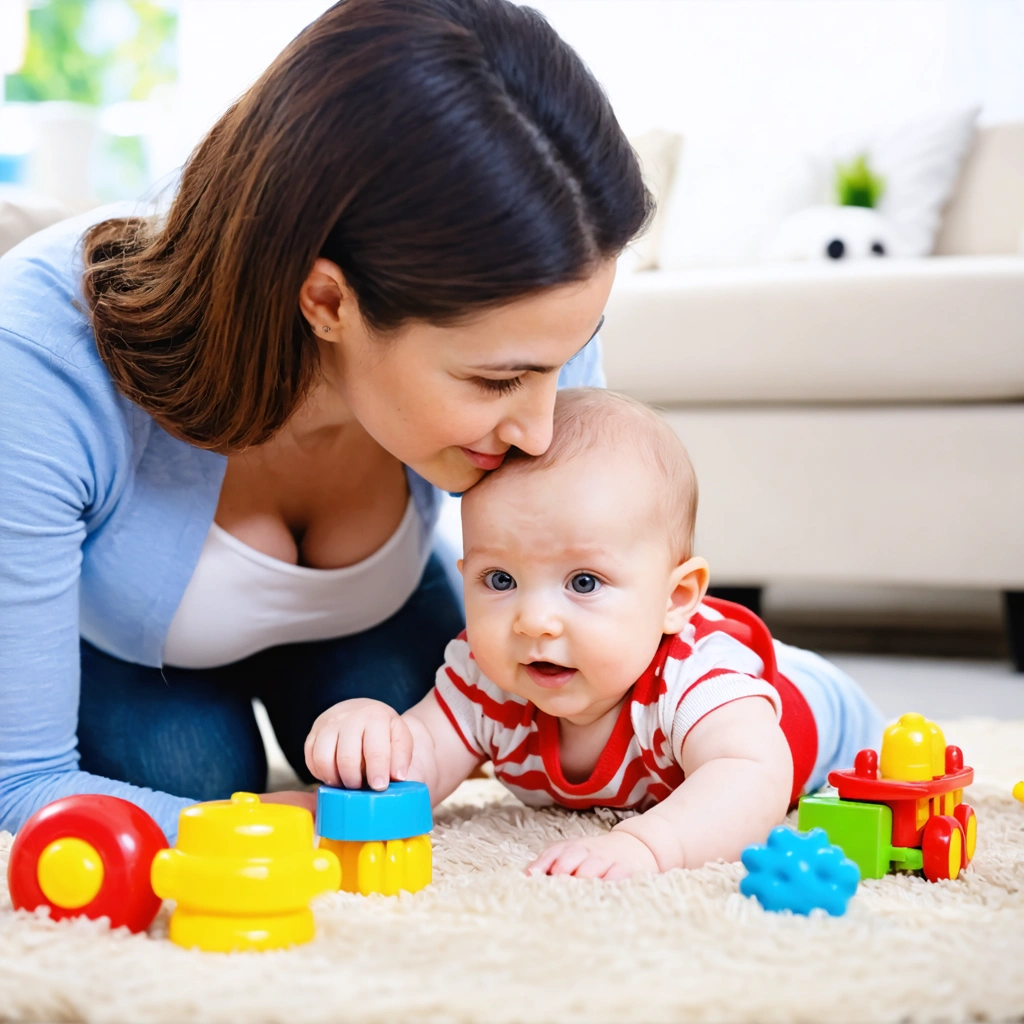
{"points": [[380, 837], [913, 750], [243, 873]]}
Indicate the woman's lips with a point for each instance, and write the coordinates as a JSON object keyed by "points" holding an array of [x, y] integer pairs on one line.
{"points": [[549, 675], [482, 460]]}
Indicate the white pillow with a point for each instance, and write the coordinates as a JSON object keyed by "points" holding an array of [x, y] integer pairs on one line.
{"points": [[729, 198], [920, 162]]}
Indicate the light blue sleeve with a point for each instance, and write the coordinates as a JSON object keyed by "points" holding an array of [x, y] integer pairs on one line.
{"points": [[60, 448], [585, 368]]}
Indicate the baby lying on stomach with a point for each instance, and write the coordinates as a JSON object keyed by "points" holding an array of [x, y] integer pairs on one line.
{"points": [[594, 671]]}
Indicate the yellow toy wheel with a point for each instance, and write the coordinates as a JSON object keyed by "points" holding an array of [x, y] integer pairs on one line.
{"points": [[964, 813]]}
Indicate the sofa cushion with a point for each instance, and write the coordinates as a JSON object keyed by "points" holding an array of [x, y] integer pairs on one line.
{"points": [[909, 494], [23, 215], [658, 153], [936, 329], [986, 213]]}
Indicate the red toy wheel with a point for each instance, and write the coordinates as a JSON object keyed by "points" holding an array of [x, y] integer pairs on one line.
{"points": [[942, 848], [964, 813], [87, 855]]}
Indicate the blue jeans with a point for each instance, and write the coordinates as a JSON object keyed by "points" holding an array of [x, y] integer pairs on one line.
{"points": [[192, 732]]}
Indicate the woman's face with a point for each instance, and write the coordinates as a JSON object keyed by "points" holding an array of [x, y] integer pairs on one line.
{"points": [[450, 401]]}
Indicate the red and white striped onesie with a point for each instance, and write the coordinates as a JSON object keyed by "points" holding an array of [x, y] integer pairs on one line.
{"points": [[723, 654]]}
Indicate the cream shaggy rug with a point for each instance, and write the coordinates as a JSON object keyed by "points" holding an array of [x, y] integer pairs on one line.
{"points": [[485, 943]]}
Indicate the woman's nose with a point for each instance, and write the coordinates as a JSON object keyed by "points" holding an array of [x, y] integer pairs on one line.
{"points": [[529, 424]]}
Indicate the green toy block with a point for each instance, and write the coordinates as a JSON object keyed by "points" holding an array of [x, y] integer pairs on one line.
{"points": [[907, 858], [863, 831]]}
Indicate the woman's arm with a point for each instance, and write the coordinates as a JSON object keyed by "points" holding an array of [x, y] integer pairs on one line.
{"points": [[56, 456]]}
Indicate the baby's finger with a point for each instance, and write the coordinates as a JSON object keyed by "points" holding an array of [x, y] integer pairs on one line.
{"points": [[322, 762], [377, 751], [569, 860], [540, 865], [593, 867], [401, 748], [617, 872], [348, 755]]}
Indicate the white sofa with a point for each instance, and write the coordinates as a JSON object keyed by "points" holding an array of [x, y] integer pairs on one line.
{"points": [[854, 423]]}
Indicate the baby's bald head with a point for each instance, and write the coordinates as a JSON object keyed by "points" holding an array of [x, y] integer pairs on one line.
{"points": [[591, 421]]}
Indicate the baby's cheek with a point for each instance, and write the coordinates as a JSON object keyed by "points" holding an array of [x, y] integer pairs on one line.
{"points": [[488, 639], [617, 653]]}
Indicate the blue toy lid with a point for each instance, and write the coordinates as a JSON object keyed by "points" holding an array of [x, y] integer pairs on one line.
{"points": [[362, 815]]}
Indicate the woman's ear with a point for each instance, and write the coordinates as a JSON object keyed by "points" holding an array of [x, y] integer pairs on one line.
{"points": [[689, 583], [326, 300]]}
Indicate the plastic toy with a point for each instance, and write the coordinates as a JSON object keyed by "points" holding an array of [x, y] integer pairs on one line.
{"points": [[1018, 792], [799, 872], [903, 812], [243, 873], [380, 837], [87, 856]]}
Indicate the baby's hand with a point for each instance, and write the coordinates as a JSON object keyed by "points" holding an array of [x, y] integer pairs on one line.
{"points": [[612, 856], [359, 739]]}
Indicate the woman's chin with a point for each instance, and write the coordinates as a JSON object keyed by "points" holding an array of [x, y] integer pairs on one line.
{"points": [[451, 472]]}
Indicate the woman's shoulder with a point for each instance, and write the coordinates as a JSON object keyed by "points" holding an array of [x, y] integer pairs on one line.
{"points": [[55, 392], [41, 301]]}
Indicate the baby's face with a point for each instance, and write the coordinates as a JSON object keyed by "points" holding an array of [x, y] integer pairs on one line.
{"points": [[567, 582]]}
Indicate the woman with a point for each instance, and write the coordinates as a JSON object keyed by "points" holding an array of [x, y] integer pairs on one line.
{"points": [[223, 430]]}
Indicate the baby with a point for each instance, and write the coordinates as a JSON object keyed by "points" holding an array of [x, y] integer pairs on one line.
{"points": [[595, 672]]}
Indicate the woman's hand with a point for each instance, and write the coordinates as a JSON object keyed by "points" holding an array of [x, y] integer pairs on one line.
{"points": [[359, 739]]}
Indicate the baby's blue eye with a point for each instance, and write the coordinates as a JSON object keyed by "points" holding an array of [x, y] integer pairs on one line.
{"points": [[584, 583], [499, 580]]}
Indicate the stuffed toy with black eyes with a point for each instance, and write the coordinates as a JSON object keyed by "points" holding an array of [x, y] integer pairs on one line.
{"points": [[850, 230], [832, 233]]}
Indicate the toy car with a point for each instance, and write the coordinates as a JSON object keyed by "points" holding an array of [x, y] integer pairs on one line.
{"points": [[903, 811]]}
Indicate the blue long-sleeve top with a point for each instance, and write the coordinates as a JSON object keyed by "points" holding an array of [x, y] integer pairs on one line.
{"points": [[102, 519]]}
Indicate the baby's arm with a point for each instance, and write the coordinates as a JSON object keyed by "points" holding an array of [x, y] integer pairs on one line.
{"points": [[739, 777], [440, 758], [367, 739]]}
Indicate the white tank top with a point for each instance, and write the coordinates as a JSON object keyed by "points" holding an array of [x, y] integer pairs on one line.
{"points": [[240, 601]]}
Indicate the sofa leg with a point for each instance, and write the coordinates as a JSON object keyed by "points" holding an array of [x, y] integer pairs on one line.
{"points": [[1013, 601], [749, 597]]}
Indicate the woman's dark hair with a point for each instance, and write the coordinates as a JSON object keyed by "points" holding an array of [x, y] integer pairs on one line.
{"points": [[448, 155]]}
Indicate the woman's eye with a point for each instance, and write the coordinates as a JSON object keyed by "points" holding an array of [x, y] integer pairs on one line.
{"points": [[501, 387], [584, 583], [499, 580]]}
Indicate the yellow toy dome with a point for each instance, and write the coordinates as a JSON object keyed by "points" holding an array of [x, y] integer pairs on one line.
{"points": [[913, 750]]}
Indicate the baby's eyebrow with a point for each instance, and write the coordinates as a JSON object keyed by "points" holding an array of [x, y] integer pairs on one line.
{"points": [[532, 367]]}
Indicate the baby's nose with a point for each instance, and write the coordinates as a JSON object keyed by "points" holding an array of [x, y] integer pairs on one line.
{"points": [[535, 621]]}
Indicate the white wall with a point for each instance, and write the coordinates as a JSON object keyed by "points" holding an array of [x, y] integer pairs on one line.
{"points": [[796, 67], [775, 67]]}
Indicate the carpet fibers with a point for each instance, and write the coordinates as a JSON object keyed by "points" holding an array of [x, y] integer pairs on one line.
{"points": [[487, 944]]}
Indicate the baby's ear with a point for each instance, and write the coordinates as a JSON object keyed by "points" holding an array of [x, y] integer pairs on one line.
{"points": [[458, 565], [689, 583]]}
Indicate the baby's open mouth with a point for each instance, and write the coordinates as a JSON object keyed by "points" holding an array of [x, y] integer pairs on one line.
{"points": [[548, 674]]}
